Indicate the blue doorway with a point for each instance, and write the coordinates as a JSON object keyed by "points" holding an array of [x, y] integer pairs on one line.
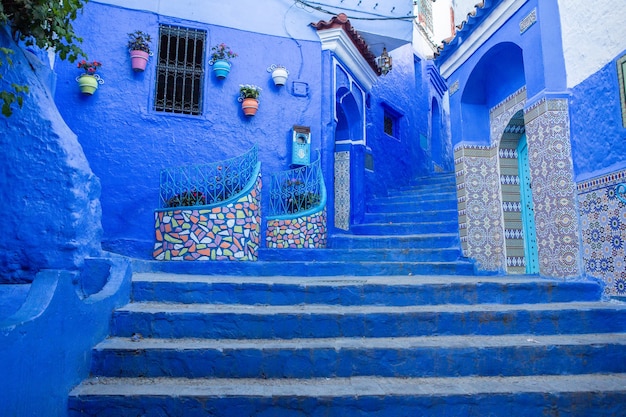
{"points": [[528, 212]]}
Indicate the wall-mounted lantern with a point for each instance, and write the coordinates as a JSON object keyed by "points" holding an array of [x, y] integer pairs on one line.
{"points": [[279, 74], [301, 146], [384, 62]]}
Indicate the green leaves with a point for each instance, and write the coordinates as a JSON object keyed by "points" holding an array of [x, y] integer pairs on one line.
{"points": [[44, 23]]}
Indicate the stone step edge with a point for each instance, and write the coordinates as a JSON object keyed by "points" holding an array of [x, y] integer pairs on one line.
{"points": [[359, 343], [345, 280], [335, 309], [348, 387]]}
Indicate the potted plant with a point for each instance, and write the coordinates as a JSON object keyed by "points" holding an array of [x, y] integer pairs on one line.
{"points": [[220, 59], [249, 97], [89, 80], [279, 75], [139, 48]]}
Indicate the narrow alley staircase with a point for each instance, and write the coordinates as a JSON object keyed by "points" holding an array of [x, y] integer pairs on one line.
{"points": [[395, 329]]}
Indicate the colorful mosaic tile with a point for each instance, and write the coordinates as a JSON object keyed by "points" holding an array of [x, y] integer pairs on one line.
{"points": [[229, 232], [603, 224], [302, 232]]}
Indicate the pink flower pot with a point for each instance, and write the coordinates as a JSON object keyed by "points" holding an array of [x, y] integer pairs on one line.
{"points": [[139, 60]]}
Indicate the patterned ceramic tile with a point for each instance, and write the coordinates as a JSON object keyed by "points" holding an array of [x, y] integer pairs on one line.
{"points": [[342, 190], [554, 191], [603, 224]]}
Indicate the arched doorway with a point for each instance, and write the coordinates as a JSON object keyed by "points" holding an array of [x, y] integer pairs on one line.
{"points": [[349, 129]]}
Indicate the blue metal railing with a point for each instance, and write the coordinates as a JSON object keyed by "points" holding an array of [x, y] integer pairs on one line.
{"points": [[297, 191], [201, 185]]}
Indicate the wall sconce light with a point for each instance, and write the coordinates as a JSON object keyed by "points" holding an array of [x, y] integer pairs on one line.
{"points": [[279, 74], [384, 62]]}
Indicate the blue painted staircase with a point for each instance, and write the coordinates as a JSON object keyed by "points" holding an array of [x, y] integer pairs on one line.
{"points": [[359, 342]]}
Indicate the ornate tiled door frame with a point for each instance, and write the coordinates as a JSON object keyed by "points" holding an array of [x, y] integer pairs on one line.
{"points": [[481, 220], [554, 189]]}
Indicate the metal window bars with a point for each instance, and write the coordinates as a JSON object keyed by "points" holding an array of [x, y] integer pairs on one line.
{"points": [[208, 184], [297, 190], [180, 70]]}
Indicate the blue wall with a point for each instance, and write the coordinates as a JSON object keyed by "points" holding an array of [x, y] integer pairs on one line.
{"points": [[127, 143], [45, 347], [49, 195], [405, 93], [506, 61], [598, 136]]}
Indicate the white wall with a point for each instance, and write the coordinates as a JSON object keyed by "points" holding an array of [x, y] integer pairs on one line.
{"points": [[594, 33], [290, 18]]}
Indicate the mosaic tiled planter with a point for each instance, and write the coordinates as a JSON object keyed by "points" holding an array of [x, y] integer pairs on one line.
{"points": [[308, 231], [229, 232]]}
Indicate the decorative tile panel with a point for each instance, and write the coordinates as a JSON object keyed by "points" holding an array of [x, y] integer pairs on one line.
{"points": [[230, 232], [342, 190], [603, 224], [554, 192], [302, 232], [480, 206]]}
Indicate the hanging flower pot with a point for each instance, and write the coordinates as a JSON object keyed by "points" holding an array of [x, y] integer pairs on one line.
{"points": [[139, 60], [221, 68], [250, 106], [88, 84], [221, 55], [139, 47], [279, 75], [249, 98]]}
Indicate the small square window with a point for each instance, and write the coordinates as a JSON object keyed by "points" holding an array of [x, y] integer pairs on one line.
{"points": [[391, 122]]}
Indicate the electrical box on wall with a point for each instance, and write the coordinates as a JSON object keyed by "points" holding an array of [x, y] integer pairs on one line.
{"points": [[301, 146]]}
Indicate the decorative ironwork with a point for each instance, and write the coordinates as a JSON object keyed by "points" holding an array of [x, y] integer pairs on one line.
{"points": [[297, 190], [180, 70], [202, 185]]}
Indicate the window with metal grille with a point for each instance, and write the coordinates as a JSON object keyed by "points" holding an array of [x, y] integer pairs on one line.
{"points": [[389, 124], [180, 70]]}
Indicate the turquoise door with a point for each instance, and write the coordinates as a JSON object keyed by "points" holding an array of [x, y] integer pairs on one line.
{"points": [[528, 213]]}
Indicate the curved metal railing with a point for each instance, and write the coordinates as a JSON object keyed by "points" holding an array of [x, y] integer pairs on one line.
{"points": [[202, 185], [297, 191]]}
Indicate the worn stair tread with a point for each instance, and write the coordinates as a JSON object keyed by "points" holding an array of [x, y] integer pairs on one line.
{"points": [[348, 280], [445, 342], [262, 309], [348, 387]]}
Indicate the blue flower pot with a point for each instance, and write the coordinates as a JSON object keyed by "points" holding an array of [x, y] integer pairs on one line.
{"points": [[221, 68]]}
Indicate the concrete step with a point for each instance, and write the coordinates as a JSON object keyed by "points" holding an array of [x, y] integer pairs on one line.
{"points": [[589, 395], [426, 216], [404, 228], [410, 206], [309, 268], [221, 321], [385, 290], [363, 255], [441, 356], [409, 241], [417, 196]]}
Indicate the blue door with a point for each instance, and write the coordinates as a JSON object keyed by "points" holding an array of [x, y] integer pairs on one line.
{"points": [[528, 212]]}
